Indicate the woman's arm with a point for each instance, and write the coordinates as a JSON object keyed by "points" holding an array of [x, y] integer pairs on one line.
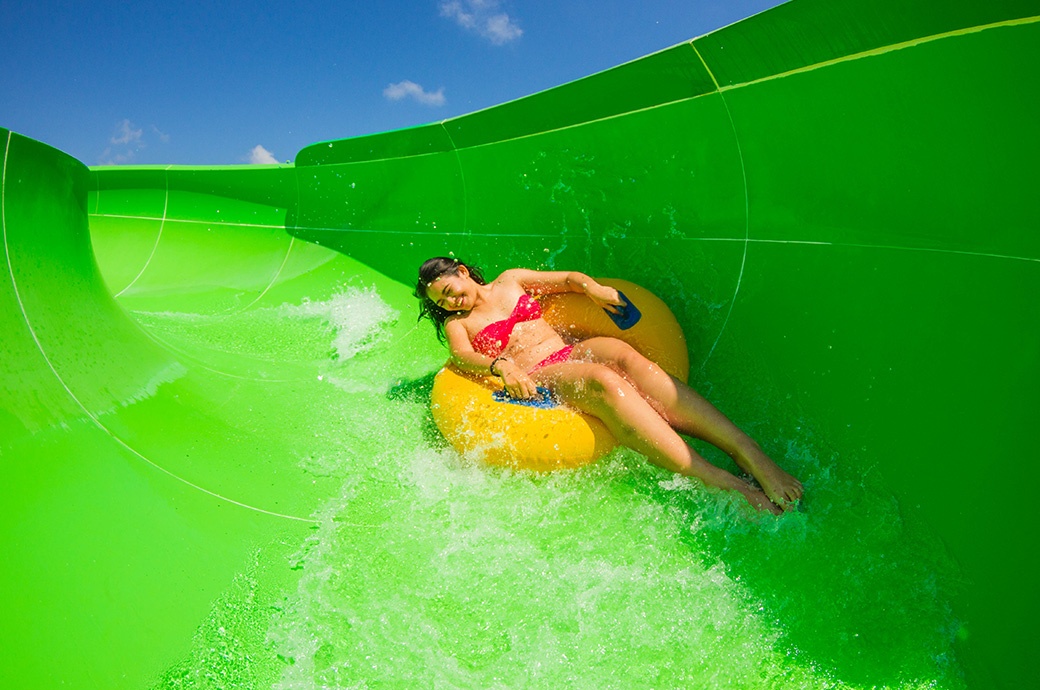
{"points": [[462, 353], [547, 282], [515, 379]]}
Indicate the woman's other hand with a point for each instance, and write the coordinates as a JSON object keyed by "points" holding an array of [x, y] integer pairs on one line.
{"points": [[605, 297], [518, 384]]}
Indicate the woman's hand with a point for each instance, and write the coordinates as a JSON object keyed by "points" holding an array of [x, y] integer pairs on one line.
{"points": [[518, 384], [604, 297]]}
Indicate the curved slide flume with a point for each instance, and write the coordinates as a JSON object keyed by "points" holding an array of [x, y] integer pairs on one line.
{"points": [[212, 392]]}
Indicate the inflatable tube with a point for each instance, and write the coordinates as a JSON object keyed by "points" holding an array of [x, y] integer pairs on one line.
{"points": [[548, 436]]}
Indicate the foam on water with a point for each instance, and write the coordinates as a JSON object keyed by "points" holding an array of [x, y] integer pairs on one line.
{"points": [[358, 317], [447, 573], [329, 331], [429, 570]]}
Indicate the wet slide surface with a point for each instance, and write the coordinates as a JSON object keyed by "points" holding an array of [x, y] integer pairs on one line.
{"points": [[220, 468]]}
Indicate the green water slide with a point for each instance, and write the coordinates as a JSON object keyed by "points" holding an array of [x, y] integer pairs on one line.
{"points": [[219, 468]]}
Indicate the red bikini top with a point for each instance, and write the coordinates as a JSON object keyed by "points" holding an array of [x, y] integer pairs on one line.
{"points": [[494, 337]]}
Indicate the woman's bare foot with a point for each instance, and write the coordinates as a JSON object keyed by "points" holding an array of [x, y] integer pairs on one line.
{"points": [[758, 499], [780, 487]]}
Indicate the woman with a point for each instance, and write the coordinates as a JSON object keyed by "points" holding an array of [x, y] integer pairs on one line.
{"points": [[497, 328]]}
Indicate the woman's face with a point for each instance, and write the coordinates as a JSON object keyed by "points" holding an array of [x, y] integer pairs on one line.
{"points": [[453, 292]]}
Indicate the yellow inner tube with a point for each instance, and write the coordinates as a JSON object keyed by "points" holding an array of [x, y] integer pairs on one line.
{"points": [[534, 438]]}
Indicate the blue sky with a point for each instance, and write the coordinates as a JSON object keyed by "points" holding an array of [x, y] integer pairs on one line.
{"points": [[232, 82]]}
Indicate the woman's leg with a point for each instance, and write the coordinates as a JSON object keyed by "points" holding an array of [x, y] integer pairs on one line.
{"points": [[690, 413], [605, 394]]}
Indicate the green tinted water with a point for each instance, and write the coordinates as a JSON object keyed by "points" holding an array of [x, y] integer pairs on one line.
{"points": [[427, 570]]}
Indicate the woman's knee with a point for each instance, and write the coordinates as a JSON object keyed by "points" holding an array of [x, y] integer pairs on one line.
{"points": [[603, 383], [630, 360]]}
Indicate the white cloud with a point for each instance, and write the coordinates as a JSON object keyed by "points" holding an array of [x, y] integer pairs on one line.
{"points": [[453, 10], [261, 156], [409, 89], [483, 17], [126, 134], [501, 29], [127, 140]]}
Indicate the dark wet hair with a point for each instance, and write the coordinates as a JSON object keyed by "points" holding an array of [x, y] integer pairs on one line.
{"points": [[431, 270]]}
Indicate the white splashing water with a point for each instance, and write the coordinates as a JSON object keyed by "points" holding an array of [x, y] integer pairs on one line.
{"points": [[358, 316]]}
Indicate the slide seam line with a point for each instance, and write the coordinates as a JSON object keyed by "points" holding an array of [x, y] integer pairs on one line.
{"points": [[50, 365]]}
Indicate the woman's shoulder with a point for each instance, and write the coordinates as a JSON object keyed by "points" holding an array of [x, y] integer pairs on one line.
{"points": [[456, 323], [509, 278], [456, 319], [508, 287]]}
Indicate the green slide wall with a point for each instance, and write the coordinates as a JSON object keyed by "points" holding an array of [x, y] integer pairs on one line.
{"points": [[836, 198]]}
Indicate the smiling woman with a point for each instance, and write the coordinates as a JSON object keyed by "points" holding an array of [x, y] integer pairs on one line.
{"points": [[498, 328]]}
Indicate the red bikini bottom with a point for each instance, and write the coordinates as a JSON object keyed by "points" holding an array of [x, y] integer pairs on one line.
{"points": [[560, 355]]}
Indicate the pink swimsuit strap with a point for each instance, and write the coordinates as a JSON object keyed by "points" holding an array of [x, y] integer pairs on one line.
{"points": [[493, 338]]}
